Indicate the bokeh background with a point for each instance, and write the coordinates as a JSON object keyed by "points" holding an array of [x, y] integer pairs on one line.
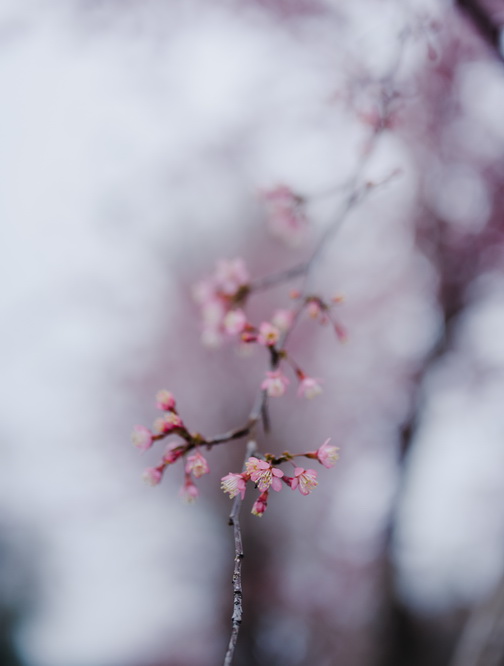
{"points": [[136, 137]]}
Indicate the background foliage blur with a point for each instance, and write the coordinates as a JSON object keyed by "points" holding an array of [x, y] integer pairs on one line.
{"points": [[136, 137]]}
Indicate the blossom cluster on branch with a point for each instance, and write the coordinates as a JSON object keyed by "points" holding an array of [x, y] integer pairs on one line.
{"points": [[222, 298]]}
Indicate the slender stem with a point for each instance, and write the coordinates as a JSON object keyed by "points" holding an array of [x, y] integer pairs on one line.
{"points": [[278, 278], [234, 521]]}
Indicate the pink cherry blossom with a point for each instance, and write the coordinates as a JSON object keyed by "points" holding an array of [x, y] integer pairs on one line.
{"points": [[327, 454], [314, 309], [268, 334], [340, 331], [264, 474], [152, 475], [168, 422], [253, 466], [305, 480], [234, 322], [141, 437], [309, 387], [234, 484], [260, 504], [248, 335], [230, 275], [189, 492], [283, 319], [172, 453], [286, 217], [275, 383], [217, 295], [165, 400], [197, 465]]}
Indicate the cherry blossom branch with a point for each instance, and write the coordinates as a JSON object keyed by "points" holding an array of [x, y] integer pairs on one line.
{"points": [[269, 336], [223, 297], [234, 521], [357, 193]]}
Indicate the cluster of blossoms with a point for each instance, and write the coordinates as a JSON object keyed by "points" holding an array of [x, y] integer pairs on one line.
{"points": [[222, 298], [171, 423], [266, 475]]}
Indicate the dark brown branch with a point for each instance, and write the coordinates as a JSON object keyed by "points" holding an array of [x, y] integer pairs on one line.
{"points": [[234, 521]]}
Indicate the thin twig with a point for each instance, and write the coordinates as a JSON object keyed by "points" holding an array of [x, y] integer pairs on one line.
{"points": [[278, 278], [234, 521]]}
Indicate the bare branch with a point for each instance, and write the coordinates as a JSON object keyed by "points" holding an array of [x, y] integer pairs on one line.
{"points": [[278, 278], [234, 521]]}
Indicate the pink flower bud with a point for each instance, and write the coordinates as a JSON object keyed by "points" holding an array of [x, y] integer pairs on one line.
{"points": [[167, 423], [141, 437], [152, 476], [172, 453], [165, 400], [314, 310], [268, 334], [189, 493], [340, 332], [309, 387], [260, 504], [197, 465], [248, 336], [275, 383]]}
